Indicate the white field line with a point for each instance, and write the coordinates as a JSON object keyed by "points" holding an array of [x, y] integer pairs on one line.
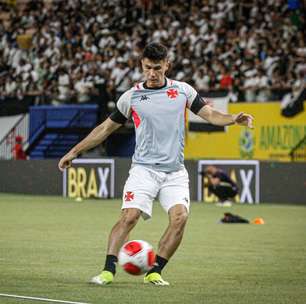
{"points": [[39, 299]]}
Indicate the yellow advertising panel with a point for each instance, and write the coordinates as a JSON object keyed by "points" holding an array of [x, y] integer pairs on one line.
{"points": [[90, 178], [272, 138]]}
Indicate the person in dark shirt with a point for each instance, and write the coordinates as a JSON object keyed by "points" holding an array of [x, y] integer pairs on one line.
{"points": [[220, 184]]}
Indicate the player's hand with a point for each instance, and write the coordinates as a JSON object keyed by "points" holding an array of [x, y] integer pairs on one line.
{"points": [[243, 119], [66, 161]]}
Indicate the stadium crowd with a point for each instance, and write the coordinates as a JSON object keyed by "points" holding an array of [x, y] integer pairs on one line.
{"points": [[76, 50]]}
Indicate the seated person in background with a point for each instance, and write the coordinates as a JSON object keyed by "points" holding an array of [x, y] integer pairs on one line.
{"points": [[221, 185]]}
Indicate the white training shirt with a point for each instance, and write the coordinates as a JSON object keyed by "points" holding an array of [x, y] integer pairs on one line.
{"points": [[159, 119]]}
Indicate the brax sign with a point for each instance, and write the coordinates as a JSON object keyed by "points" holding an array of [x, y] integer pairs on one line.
{"points": [[89, 178], [244, 173]]}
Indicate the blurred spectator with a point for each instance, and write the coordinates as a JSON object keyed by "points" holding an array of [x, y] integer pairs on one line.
{"points": [[226, 79], [293, 102], [201, 79], [120, 76], [18, 152], [221, 185], [262, 83], [82, 87]]}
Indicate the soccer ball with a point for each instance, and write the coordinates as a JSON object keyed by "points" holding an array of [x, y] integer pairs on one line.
{"points": [[136, 257]]}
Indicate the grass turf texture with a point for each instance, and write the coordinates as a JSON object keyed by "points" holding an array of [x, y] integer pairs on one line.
{"points": [[50, 247]]}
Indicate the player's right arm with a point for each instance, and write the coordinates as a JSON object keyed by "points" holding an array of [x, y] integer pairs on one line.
{"points": [[101, 132], [93, 139]]}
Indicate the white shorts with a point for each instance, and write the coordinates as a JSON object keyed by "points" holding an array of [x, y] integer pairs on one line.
{"points": [[145, 184]]}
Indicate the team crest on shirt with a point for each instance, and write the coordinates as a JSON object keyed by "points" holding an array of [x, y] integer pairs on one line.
{"points": [[172, 93], [128, 196]]}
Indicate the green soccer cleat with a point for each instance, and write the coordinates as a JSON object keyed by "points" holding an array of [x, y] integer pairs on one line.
{"points": [[104, 278], [155, 279]]}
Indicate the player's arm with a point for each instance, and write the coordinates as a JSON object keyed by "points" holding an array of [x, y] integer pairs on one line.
{"points": [[202, 108], [93, 139], [101, 132], [222, 119]]}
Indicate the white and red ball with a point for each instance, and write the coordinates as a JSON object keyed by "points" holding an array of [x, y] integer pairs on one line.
{"points": [[136, 257]]}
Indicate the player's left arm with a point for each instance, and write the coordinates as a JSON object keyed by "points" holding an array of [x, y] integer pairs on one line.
{"points": [[222, 119], [202, 108]]}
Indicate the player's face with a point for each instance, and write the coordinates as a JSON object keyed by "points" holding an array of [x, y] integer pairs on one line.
{"points": [[154, 72]]}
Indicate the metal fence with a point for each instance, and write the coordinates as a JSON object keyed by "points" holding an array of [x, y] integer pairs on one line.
{"points": [[21, 128]]}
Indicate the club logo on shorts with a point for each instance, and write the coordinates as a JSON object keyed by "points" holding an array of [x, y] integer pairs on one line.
{"points": [[128, 196], [172, 93]]}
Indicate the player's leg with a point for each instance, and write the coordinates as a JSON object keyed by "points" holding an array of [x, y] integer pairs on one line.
{"points": [[139, 191], [173, 235], [117, 237], [168, 243], [174, 198]]}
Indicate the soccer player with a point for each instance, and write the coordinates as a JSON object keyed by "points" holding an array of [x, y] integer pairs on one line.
{"points": [[157, 107]]}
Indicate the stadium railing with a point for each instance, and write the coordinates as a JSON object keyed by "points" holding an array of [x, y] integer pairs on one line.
{"points": [[298, 153], [7, 143]]}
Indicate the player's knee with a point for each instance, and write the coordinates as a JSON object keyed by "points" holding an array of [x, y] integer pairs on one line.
{"points": [[179, 220], [130, 217]]}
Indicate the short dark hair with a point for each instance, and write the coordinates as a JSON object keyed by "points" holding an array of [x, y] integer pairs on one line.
{"points": [[155, 51]]}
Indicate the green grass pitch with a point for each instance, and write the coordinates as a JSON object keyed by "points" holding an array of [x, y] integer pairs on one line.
{"points": [[50, 247]]}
